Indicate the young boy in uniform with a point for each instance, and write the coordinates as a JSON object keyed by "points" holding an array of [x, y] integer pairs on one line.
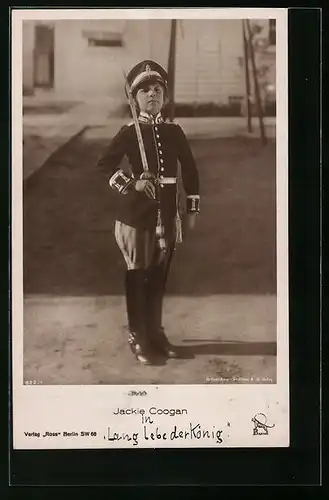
{"points": [[145, 228]]}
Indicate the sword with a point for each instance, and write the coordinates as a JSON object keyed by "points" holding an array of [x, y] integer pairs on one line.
{"points": [[146, 174]]}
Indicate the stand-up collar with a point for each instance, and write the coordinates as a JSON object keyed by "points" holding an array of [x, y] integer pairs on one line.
{"points": [[146, 118]]}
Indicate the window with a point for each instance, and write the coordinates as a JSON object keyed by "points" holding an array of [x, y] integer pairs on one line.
{"points": [[103, 39], [94, 42], [272, 32]]}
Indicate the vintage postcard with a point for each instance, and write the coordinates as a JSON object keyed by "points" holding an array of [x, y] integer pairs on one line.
{"points": [[150, 228]]}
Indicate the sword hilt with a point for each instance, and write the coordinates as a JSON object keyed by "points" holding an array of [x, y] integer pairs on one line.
{"points": [[152, 178], [148, 176]]}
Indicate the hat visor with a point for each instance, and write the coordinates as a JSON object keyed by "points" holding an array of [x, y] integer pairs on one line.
{"points": [[147, 77]]}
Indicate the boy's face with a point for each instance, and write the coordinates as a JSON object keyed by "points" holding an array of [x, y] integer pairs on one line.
{"points": [[150, 98]]}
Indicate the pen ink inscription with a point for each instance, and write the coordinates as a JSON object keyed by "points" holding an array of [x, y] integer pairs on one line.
{"points": [[193, 432], [152, 431]]}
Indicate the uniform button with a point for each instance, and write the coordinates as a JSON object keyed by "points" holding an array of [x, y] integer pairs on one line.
{"points": [[162, 169], [161, 160], [161, 185], [158, 136], [159, 143], [160, 152], [156, 128], [161, 176]]}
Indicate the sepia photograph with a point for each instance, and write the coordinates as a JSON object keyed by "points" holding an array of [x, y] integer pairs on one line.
{"points": [[150, 226], [149, 198]]}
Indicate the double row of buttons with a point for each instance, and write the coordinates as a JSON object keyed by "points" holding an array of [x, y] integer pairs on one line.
{"points": [[159, 151]]}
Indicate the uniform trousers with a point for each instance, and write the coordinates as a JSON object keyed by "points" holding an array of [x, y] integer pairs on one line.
{"points": [[140, 248]]}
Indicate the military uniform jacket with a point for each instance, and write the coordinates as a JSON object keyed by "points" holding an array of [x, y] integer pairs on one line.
{"points": [[165, 145]]}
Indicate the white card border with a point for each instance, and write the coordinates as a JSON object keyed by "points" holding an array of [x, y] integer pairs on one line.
{"points": [[47, 398]]}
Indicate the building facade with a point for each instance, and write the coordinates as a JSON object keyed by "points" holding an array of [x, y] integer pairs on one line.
{"points": [[83, 58]]}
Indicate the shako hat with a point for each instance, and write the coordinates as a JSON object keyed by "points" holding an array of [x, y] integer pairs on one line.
{"points": [[146, 71]]}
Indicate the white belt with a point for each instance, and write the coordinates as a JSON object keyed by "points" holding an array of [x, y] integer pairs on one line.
{"points": [[167, 180]]}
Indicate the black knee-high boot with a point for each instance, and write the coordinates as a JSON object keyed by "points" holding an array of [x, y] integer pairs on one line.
{"points": [[135, 284], [156, 279]]}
